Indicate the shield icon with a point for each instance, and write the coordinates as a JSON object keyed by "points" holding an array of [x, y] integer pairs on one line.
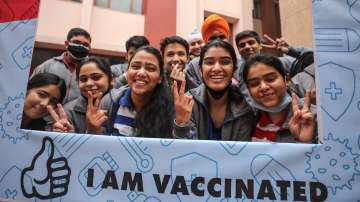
{"points": [[337, 88]]}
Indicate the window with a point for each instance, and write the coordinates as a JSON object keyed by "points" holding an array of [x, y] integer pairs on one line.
{"points": [[257, 9], [130, 6]]}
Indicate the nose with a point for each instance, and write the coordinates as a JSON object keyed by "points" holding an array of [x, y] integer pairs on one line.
{"points": [[217, 67], [89, 82], [141, 72], [247, 46], [45, 102], [263, 86]]}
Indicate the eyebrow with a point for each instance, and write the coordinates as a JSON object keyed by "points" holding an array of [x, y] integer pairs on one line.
{"points": [[256, 78]]}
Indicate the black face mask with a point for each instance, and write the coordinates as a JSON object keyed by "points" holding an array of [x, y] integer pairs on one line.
{"points": [[78, 51]]}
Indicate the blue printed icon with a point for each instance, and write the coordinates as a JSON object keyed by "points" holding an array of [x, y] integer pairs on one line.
{"points": [[166, 142], [354, 9], [67, 144], [100, 164], [233, 148], [22, 54], [204, 165], [333, 91], [136, 197], [336, 40], [334, 163], [136, 149], [339, 90], [10, 118], [265, 167], [9, 187]]}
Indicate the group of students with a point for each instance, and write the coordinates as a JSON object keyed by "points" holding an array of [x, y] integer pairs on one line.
{"points": [[165, 94]]}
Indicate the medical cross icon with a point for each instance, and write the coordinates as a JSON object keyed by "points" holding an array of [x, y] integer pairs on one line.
{"points": [[333, 91]]}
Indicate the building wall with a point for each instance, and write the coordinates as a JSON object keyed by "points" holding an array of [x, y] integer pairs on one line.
{"points": [[191, 13], [296, 22], [109, 29]]}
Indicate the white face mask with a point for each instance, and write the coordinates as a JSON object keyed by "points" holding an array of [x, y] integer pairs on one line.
{"points": [[284, 103]]}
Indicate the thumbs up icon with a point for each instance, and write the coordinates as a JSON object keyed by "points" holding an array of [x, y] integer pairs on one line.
{"points": [[50, 176]]}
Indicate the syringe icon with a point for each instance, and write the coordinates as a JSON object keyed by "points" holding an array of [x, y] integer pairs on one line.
{"points": [[100, 164], [336, 40]]}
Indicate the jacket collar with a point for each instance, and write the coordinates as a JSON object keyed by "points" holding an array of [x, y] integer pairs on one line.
{"points": [[238, 105]]}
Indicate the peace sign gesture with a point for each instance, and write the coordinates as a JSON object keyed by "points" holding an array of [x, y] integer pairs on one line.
{"points": [[302, 122], [278, 44], [95, 117], [61, 122], [183, 104]]}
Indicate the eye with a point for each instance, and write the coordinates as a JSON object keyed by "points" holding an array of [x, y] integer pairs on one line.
{"points": [[42, 94], [209, 62], [135, 66], [225, 61], [181, 53], [83, 79], [53, 102], [253, 83], [151, 68], [170, 54], [271, 78], [96, 77]]}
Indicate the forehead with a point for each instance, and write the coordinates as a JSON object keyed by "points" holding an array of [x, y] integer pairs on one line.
{"points": [[81, 38], [175, 47], [145, 57], [51, 89], [196, 41], [90, 68], [259, 70], [217, 52], [247, 39]]}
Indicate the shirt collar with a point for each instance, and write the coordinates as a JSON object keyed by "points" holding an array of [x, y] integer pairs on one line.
{"points": [[125, 100]]}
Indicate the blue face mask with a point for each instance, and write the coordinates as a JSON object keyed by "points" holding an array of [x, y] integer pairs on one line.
{"points": [[283, 104]]}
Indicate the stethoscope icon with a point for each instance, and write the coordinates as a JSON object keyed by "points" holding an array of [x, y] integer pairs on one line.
{"points": [[144, 162]]}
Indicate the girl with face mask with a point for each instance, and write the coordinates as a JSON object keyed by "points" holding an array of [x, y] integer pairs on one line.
{"points": [[215, 110], [43, 90], [94, 77], [144, 108], [279, 117]]}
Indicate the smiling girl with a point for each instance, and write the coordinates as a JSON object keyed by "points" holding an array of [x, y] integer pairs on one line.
{"points": [[279, 116], [215, 110], [144, 108], [43, 89], [94, 76]]}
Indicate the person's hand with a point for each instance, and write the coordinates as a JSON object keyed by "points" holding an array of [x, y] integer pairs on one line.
{"points": [[279, 44], [313, 96], [61, 122], [183, 104], [177, 73], [302, 122], [95, 117]]}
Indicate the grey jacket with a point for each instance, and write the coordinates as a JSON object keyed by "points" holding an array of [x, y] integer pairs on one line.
{"points": [[238, 124], [56, 66], [76, 113], [118, 71]]}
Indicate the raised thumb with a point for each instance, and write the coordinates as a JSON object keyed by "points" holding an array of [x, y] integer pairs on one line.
{"points": [[39, 162]]}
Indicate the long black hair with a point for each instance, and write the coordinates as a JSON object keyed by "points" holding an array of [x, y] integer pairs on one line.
{"points": [[45, 79], [157, 116]]}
